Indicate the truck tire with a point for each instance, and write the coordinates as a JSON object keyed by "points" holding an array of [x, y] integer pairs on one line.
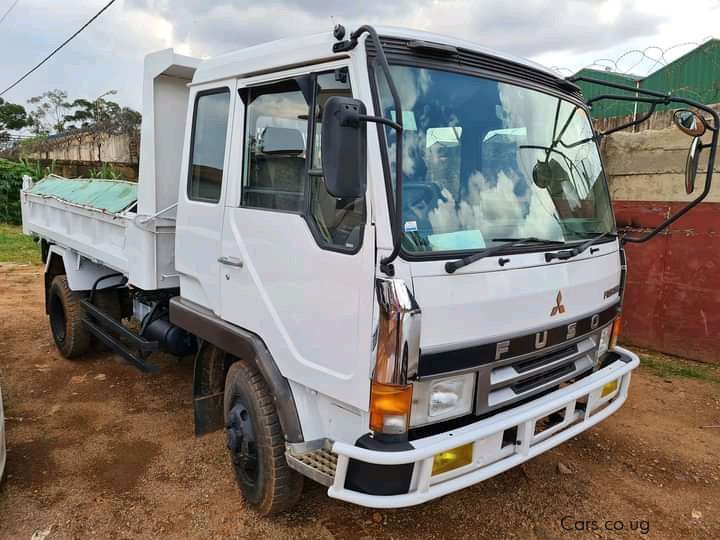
{"points": [[66, 314], [257, 444]]}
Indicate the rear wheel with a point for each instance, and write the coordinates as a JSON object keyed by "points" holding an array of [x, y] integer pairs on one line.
{"points": [[256, 443], [66, 314]]}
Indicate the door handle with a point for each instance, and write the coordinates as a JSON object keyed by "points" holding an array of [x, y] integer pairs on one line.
{"points": [[231, 261]]}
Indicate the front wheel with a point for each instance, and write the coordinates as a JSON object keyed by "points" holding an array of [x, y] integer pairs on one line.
{"points": [[256, 443]]}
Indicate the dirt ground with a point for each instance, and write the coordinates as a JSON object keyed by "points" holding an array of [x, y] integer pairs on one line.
{"points": [[96, 448]]}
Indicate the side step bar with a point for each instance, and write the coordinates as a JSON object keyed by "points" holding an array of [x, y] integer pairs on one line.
{"points": [[103, 326]]}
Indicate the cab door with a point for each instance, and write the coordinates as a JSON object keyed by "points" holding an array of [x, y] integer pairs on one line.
{"points": [[298, 264], [203, 191]]}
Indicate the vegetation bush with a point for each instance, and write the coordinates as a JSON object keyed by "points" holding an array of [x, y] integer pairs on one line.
{"points": [[11, 173], [106, 172]]}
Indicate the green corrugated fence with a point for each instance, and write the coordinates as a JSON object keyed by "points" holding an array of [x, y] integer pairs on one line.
{"points": [[695, 75]]}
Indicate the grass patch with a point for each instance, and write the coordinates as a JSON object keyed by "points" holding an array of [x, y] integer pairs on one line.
{"points": [[17, 248], [669, 367]]}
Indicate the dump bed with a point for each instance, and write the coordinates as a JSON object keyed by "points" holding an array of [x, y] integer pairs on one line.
{"points": [[97, 219], [125, 226]]}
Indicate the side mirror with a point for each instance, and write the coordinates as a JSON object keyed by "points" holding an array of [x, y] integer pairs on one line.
{"points": [[344, 147], [691, 165], [689, 122], [549, 175]]}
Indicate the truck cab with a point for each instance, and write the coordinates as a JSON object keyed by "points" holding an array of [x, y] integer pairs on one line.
{"points": [[392, 256]]}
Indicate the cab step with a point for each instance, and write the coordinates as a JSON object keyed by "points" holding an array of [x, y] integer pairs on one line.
{"points": [[313, 459]]}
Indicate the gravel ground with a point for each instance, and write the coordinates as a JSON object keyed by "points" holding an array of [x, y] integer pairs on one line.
{"points": [[96, 448]]}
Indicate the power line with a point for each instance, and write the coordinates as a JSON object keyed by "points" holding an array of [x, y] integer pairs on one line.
{"points": [[49, 56], [7, 12]]}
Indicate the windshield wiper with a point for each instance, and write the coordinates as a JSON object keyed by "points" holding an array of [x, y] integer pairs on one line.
{"points": [[577, 250], [451, 266]]}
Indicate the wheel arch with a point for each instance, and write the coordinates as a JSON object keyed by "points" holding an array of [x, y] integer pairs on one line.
{"points": [[81, 272], [241, 344]]}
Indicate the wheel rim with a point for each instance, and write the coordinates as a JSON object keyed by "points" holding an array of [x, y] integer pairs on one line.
{"points": [[242, 443], [58, 320]]}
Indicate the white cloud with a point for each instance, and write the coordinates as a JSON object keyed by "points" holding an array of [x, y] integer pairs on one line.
{"points": [[110, 52]]}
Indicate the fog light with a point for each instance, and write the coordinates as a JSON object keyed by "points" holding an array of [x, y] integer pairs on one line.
{"points": [[452, 459], [609, 388]]}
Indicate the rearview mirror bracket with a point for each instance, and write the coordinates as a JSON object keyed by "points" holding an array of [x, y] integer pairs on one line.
{"points": [[386, 265], [654, 99]]}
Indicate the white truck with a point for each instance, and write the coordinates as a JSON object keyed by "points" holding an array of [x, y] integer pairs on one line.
{"points": [[391, 254]]}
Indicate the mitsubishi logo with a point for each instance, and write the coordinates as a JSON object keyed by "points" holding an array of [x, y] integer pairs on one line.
{"points": [[558, 308]]}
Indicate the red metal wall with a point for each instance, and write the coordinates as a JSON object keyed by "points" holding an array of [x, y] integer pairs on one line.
{"points": [[672, 300]]}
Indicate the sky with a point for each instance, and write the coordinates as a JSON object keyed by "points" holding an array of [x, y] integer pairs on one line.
{"points": [[568, 34]]}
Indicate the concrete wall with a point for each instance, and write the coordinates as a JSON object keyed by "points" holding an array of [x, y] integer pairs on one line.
{"points": [[88, 147], [83, 169], [672, 301]]}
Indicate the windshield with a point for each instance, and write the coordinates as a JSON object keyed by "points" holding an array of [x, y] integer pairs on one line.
{"points": [[486, 161]]}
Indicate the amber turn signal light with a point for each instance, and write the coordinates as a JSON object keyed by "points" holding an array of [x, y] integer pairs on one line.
{"points": [[615, 332], [390, 407]]}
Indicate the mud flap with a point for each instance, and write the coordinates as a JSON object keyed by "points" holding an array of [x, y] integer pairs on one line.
{"points": [[208, 389]]}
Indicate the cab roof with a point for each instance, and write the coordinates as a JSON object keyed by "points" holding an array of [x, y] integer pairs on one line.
{"points": [[317, 48]]}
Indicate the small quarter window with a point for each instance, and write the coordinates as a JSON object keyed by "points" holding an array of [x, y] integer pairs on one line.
{"points": [[338, 222], [207, 155]]}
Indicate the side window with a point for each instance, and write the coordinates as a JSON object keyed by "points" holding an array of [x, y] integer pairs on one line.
{"points": [[276, 141], [207, 153], [337, 223]]}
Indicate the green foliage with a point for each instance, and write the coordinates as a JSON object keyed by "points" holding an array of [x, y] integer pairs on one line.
{"points": [[17, 248], [103, 116], [50, 110], [11, 173], [668, 367], [12, 116], [106, 172]]}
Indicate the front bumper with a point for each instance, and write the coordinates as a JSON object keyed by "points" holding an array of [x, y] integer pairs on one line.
{"points": [[582, 405]]}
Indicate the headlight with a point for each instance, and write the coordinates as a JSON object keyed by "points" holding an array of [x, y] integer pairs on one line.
{"points": [[608, 338], [604, 341], [442, 399]]}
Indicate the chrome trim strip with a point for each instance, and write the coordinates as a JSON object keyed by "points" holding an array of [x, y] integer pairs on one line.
{"points": [[397, 351]]}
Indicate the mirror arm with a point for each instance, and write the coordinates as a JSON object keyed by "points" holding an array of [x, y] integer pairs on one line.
{"points": [[650, 96], [380, 120], [396, 216], [706, 190], [635, 122]]}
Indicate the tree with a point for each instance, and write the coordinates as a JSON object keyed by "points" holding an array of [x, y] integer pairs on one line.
{"points": [[103, 116], [50, 111], [12, 116]]}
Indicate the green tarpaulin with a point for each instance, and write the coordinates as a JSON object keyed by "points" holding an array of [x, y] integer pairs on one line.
{"points": [[109, 195]]}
